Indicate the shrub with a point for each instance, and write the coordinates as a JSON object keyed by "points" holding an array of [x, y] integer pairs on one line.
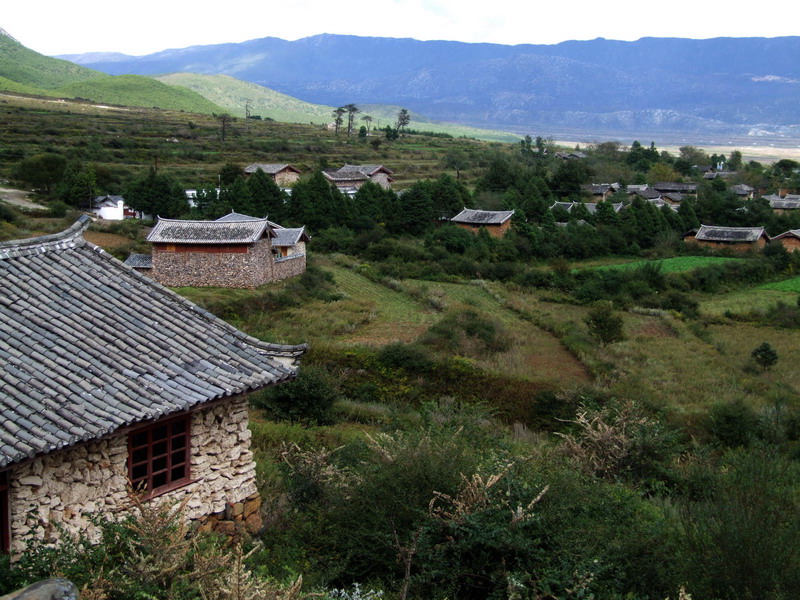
{"points": [[733, 423], [308, 399], [604, 325], [410, 357], [765, 356], [468, 333]]}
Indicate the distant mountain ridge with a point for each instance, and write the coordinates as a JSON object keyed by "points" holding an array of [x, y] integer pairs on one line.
{"points": [[731, 85]]}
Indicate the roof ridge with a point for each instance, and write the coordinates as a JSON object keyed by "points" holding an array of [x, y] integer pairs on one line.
{"points": [[69, 238]]}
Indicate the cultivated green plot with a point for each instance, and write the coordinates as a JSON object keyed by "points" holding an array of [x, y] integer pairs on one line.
{"points": [[673, 265], [789, 285]]}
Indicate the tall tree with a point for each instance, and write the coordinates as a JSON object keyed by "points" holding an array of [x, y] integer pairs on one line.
{"points": [[338, 117], [368, 120], [352, 111], [225, 121], [42, 171], [403, 119], [268, 199], [77, 187]]}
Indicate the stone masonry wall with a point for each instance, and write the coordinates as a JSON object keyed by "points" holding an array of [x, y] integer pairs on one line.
{"points": [[289, 266], [67, 487], [200, 269]]}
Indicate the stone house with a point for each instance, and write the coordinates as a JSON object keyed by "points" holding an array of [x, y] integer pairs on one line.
{"points": [[740, 239], [666, 187], [285, 175], [790, 240], [496, 222], [111, 382], [600, 192], [351, 177], [235, 251]]}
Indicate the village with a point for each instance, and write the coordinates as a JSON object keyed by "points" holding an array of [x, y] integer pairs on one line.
{"points": [[122, 389]]}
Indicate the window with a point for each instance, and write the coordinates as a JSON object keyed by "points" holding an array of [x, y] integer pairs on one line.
{"points": [[158, 456], [5, 529]]}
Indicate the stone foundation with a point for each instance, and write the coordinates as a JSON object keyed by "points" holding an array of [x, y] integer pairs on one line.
{"points": [[64, 489]]}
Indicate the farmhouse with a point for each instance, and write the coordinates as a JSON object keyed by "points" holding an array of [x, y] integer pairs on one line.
{"points": [[111, 381], [284, 175], [235, 251], [112, 208], [734, 238], [790, 240], [496, 222], [351, 177]]}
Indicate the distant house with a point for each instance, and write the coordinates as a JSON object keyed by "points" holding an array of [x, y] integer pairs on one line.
{"points": [[111, 380], [672, 186], [236, 251], [734, 238], [743, 191], [351, 177], [285, 175], [576, 155], [784, 204], [496, 222], [790, 240], [600, 192], [112, 208]]}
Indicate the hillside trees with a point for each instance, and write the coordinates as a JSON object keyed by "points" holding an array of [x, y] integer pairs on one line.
{"points": [[267, 199], [157, 194], [77, 186], [403, 119], [41, 171]]}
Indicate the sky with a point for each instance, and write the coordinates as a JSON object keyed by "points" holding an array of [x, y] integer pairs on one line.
{"points": [[144, 26]]}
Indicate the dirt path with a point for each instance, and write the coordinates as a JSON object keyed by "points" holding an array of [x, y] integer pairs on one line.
{"points": [[19, 198]]}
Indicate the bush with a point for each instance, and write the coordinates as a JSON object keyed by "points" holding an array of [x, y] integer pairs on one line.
{"points": [[604, 325], [733, 423], [467, 333], [308, 399], [409, 357]]}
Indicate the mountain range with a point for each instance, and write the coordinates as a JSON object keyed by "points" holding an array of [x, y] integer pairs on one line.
{"points": [[733, 86]]}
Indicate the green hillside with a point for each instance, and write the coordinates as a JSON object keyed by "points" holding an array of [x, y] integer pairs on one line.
{"points": [[20, 88], [233, 95], [21, 65], [136, 90]]}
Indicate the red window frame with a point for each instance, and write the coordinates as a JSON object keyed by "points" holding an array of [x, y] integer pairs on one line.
{"points": [[158, 456], [5, 515]]}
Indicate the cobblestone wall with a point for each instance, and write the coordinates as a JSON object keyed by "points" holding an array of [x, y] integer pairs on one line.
{"points": [[290, 266], [67, 487], [200, 269]]}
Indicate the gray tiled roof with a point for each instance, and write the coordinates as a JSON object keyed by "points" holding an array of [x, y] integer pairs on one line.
{"points": [[112, 200], [289, 236], [355, 172], [270, 168], [208, 232], [140, 261], [787, 203], [234, 217], [89, 346], [786, 234], [482, 217], [673, 186], [713, 233]]}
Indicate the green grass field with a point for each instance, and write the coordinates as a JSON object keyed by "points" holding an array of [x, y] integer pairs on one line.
{"points": [[789, 285], [671, 265]]}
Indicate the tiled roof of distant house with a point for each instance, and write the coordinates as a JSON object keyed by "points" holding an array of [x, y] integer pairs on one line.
{"points": [[482, 217]]}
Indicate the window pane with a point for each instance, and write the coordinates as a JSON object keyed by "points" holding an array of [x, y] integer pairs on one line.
{"points": [[160, 432], [139, 439], [139, 455], [159, 464], [139, 472], [178, 458], [179, 442], [178, 473], [178, 427], [159, 480], [159, 449]]}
